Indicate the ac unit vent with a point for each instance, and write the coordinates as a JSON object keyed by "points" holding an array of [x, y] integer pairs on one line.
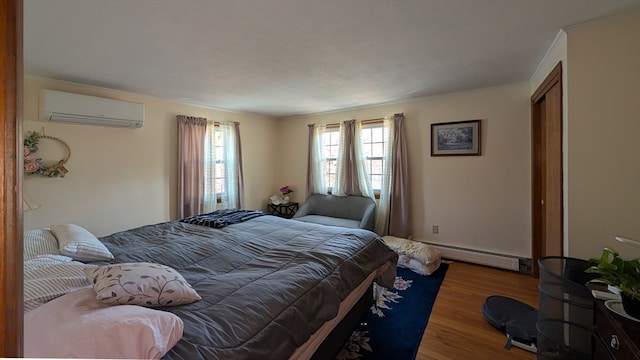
{"points": [[64, 107]]}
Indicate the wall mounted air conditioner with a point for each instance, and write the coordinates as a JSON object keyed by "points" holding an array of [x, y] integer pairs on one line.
{"points": [[64, 107]]}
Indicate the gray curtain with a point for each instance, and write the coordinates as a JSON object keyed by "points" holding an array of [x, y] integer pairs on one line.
{"points": [[241, 202], [191, 136], [349, 182], [400, 207]]}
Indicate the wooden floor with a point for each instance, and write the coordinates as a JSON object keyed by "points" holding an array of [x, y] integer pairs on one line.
{"points": [[456, 328]]}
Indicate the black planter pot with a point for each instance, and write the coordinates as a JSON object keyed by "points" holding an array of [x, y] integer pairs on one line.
{"points": [[631, 306]]}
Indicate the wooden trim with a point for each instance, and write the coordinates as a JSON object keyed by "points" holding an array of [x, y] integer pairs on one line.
{"points": [[554, 76], [11, 247], [536, 187]]}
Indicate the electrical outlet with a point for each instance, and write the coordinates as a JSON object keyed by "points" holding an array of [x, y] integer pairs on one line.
{"points": [[434, 229]]}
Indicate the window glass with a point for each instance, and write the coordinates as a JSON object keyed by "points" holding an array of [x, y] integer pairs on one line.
{"points": [[331, 147], [372, 139], [373, 147], [214, 162]]}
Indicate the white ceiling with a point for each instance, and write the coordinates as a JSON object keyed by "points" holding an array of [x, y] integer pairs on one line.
{"points": [[288, 57]]}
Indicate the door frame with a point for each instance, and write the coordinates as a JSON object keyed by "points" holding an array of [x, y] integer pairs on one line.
{"points": [[547, 214], [11, 246]]}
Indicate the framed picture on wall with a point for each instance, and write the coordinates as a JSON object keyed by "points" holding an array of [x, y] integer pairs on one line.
{"points": [[455, 138]]}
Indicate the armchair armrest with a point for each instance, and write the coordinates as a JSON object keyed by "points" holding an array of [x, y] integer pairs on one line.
{"points": [[304, 210], [369, 218]]}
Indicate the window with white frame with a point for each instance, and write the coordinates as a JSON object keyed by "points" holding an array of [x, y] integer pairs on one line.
{"points": [[373, 137], [214, 164], [330, 151], [373, 142]]}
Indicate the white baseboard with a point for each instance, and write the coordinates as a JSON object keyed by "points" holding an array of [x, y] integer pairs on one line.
{"points": [[478, 257]]}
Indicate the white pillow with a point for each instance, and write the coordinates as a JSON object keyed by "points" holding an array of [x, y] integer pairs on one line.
{"points": [[77, 325], [78, 243], [414, 255], [39, 242], [405, 261], [47, 277], [145, 284], [414, 249]]}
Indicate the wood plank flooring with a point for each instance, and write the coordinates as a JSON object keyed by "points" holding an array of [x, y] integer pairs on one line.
{"points": [[456, 327]]}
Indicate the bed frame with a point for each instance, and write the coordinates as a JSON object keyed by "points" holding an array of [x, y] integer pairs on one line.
{"points": [[335, 341]]}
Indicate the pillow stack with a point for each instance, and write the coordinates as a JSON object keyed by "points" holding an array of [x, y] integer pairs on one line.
{"points": [[416, 256], [67, 303], [54, 262]]}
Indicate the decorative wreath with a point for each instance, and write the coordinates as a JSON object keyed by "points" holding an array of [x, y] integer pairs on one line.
{"points": [[34, 165]]}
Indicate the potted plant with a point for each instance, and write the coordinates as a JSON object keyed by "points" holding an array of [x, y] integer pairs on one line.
{"points": [[623, 274]]}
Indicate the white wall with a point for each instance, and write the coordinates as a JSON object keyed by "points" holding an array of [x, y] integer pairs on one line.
{"points": [[122, 178], [478, 202], [603, 129]]}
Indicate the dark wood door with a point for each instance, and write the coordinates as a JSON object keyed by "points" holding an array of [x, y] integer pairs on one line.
{"points": [[547, 205]]}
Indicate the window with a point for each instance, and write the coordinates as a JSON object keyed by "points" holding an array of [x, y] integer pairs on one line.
{"points": [[358, 158], [221, 169], [373, 147], [373, 139], [214, 164], [330, 151]]}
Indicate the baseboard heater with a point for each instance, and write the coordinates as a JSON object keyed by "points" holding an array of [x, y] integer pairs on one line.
{"points": [[502, 261]]}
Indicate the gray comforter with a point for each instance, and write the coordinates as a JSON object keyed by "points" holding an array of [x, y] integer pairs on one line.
{"points": [[267, 284]]}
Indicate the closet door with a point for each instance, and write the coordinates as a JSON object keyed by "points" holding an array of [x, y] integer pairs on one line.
{"points": [[547, 206]]}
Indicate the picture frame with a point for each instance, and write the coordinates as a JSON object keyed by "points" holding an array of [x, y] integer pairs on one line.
{"points": [[456, 138]]}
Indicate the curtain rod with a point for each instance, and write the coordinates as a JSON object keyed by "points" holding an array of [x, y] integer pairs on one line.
{"points": [[368, 121], [373, 120]]}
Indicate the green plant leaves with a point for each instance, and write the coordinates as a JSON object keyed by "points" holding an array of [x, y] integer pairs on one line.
{"points": [[616, 271]]}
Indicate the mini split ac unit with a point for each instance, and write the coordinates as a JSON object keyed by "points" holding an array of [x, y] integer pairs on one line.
{"points": [[64, 107]]}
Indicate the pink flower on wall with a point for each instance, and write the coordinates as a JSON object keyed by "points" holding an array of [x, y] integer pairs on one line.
{"points": [[29, 157], [31, 166]]}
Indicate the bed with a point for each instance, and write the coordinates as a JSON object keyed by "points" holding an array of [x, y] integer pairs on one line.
{"points": [[270, 287]]}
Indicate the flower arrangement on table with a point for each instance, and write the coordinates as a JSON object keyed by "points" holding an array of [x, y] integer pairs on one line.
{"points": [[285, 191]]}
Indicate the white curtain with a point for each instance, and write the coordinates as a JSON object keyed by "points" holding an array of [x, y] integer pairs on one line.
{"points": [[384, 201], [221, 163], [318, 181], [339, 188]]}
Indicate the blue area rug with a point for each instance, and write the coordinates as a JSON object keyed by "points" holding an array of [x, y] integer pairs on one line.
{"points": [[393, 328]]}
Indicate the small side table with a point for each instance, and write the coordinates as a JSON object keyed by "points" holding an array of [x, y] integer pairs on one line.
{"points": [[283, 210]]}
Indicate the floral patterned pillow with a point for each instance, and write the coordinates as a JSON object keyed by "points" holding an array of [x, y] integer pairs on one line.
{"points": [[144, 284]]}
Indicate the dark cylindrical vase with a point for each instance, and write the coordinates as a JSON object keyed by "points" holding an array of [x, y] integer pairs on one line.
{"points": [[631, 306]]}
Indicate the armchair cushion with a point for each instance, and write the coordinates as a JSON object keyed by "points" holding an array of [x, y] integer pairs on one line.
{"points": [[345, 211]]}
